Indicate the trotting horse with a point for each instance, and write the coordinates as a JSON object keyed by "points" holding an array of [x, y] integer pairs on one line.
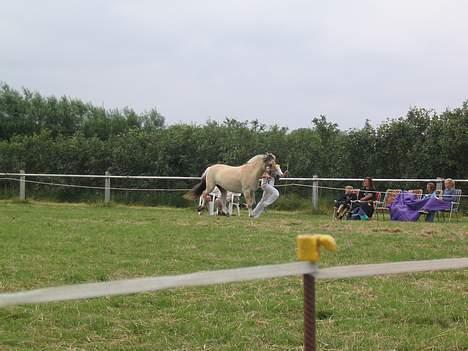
{"points": [[241, 179]]}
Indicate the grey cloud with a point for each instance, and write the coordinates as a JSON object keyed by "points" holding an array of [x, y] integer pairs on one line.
{"points": [[282, 62]]}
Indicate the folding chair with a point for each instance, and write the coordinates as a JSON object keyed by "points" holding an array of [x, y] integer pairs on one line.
{"points": [[378, 196], [382, 206], [454, 206], [417, 192]]}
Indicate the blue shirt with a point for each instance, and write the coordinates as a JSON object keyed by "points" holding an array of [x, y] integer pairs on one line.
{"points": [[449, 195], [433, 194]]}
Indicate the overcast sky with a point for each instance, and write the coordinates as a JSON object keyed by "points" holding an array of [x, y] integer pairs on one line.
{"points": [[282, 62]]}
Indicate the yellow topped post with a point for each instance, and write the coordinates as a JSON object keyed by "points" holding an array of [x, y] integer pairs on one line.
{"points": [[308, 249], [308, 246]]}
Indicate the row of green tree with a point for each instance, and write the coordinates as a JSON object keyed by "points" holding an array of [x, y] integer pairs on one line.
{"points": [[62, 135]]}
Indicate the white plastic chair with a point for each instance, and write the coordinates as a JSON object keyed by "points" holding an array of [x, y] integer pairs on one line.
{"points": [[234, 202], [212, 209]]}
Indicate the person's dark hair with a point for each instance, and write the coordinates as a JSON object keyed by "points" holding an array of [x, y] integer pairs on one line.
{"points": [[431, 186], [371, 183]]}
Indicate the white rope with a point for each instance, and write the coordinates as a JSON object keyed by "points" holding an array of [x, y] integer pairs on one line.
{"points": [[178, 189], [92, 187], [340, 189], [131, 286], [50, 175]]}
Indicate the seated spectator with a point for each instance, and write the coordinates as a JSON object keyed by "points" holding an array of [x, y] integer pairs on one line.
{"points": [[343, 202], [449, 193], [430, 190], [364, 207]]}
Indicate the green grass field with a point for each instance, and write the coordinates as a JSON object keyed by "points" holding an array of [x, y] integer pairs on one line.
{"points": [[44, 244]]}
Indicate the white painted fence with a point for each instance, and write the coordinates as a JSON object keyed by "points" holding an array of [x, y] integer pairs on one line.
{"points": [[315, 182]]}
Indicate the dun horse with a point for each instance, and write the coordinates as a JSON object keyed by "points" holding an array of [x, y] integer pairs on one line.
{"points": [[241, 179]]}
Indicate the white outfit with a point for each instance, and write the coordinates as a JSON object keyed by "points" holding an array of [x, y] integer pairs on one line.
{"points": [[270, 193]]}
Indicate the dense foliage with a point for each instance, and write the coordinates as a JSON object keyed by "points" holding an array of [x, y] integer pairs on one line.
{"points": [[62, 135]]}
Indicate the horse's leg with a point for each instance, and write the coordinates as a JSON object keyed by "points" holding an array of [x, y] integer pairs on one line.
{"points": [[210, 185], [224, 209], [252, 202], [253, 197], [201, 204], [248, 200]]}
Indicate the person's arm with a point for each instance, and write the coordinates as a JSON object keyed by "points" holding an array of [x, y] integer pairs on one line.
{"points": [[278, 172], [368, 197]]}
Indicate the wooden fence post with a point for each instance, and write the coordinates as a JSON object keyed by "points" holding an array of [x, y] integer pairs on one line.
{"points": [[107, 188], [22, 194], [315, 184]]}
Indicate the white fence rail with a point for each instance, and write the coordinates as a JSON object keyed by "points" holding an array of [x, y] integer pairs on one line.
{"points": [[315, 182]]}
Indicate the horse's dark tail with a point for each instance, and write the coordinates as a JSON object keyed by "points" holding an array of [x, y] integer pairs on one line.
{"points": [[197, 190]]}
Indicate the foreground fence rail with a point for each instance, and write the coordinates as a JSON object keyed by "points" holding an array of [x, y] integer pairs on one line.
{"points": [[131, 286]]}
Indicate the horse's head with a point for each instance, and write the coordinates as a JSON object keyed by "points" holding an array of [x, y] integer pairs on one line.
{"points": [[269, 159], [260, 162]]}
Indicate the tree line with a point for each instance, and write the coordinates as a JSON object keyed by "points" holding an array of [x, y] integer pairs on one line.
{"points": [[63, 135]]}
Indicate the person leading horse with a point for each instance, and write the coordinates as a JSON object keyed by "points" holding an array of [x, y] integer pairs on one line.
{"points": [[240, 179]]}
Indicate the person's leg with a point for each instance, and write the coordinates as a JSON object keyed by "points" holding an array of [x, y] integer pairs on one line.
{"points": [[430, 216], [272, 195], [342, 211], [338, 211], [367, 208], [257, 211]]}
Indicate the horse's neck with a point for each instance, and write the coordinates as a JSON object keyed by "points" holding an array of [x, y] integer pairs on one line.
{"points": [[258, 168]]}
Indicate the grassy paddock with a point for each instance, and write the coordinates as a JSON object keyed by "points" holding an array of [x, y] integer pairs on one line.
{"points": [[53, 244]]}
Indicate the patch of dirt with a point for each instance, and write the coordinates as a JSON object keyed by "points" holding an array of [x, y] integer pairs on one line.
{"points": [[388, 230], [428, 233]]}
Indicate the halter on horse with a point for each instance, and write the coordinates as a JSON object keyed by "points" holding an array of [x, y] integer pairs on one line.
{"points": [[241, 179]]}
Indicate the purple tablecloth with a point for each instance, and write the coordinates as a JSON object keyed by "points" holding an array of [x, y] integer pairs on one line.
{"points": [[406, 206]]}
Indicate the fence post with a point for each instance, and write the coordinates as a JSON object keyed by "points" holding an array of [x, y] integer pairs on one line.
{"points": [[22, 193], [439, 183], [107, 188], [310, 338], [308, 249], [315, 184]]}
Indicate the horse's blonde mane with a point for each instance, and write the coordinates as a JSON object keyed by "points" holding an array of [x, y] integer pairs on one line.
{"points": [[261, 157], [255, 158]]}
